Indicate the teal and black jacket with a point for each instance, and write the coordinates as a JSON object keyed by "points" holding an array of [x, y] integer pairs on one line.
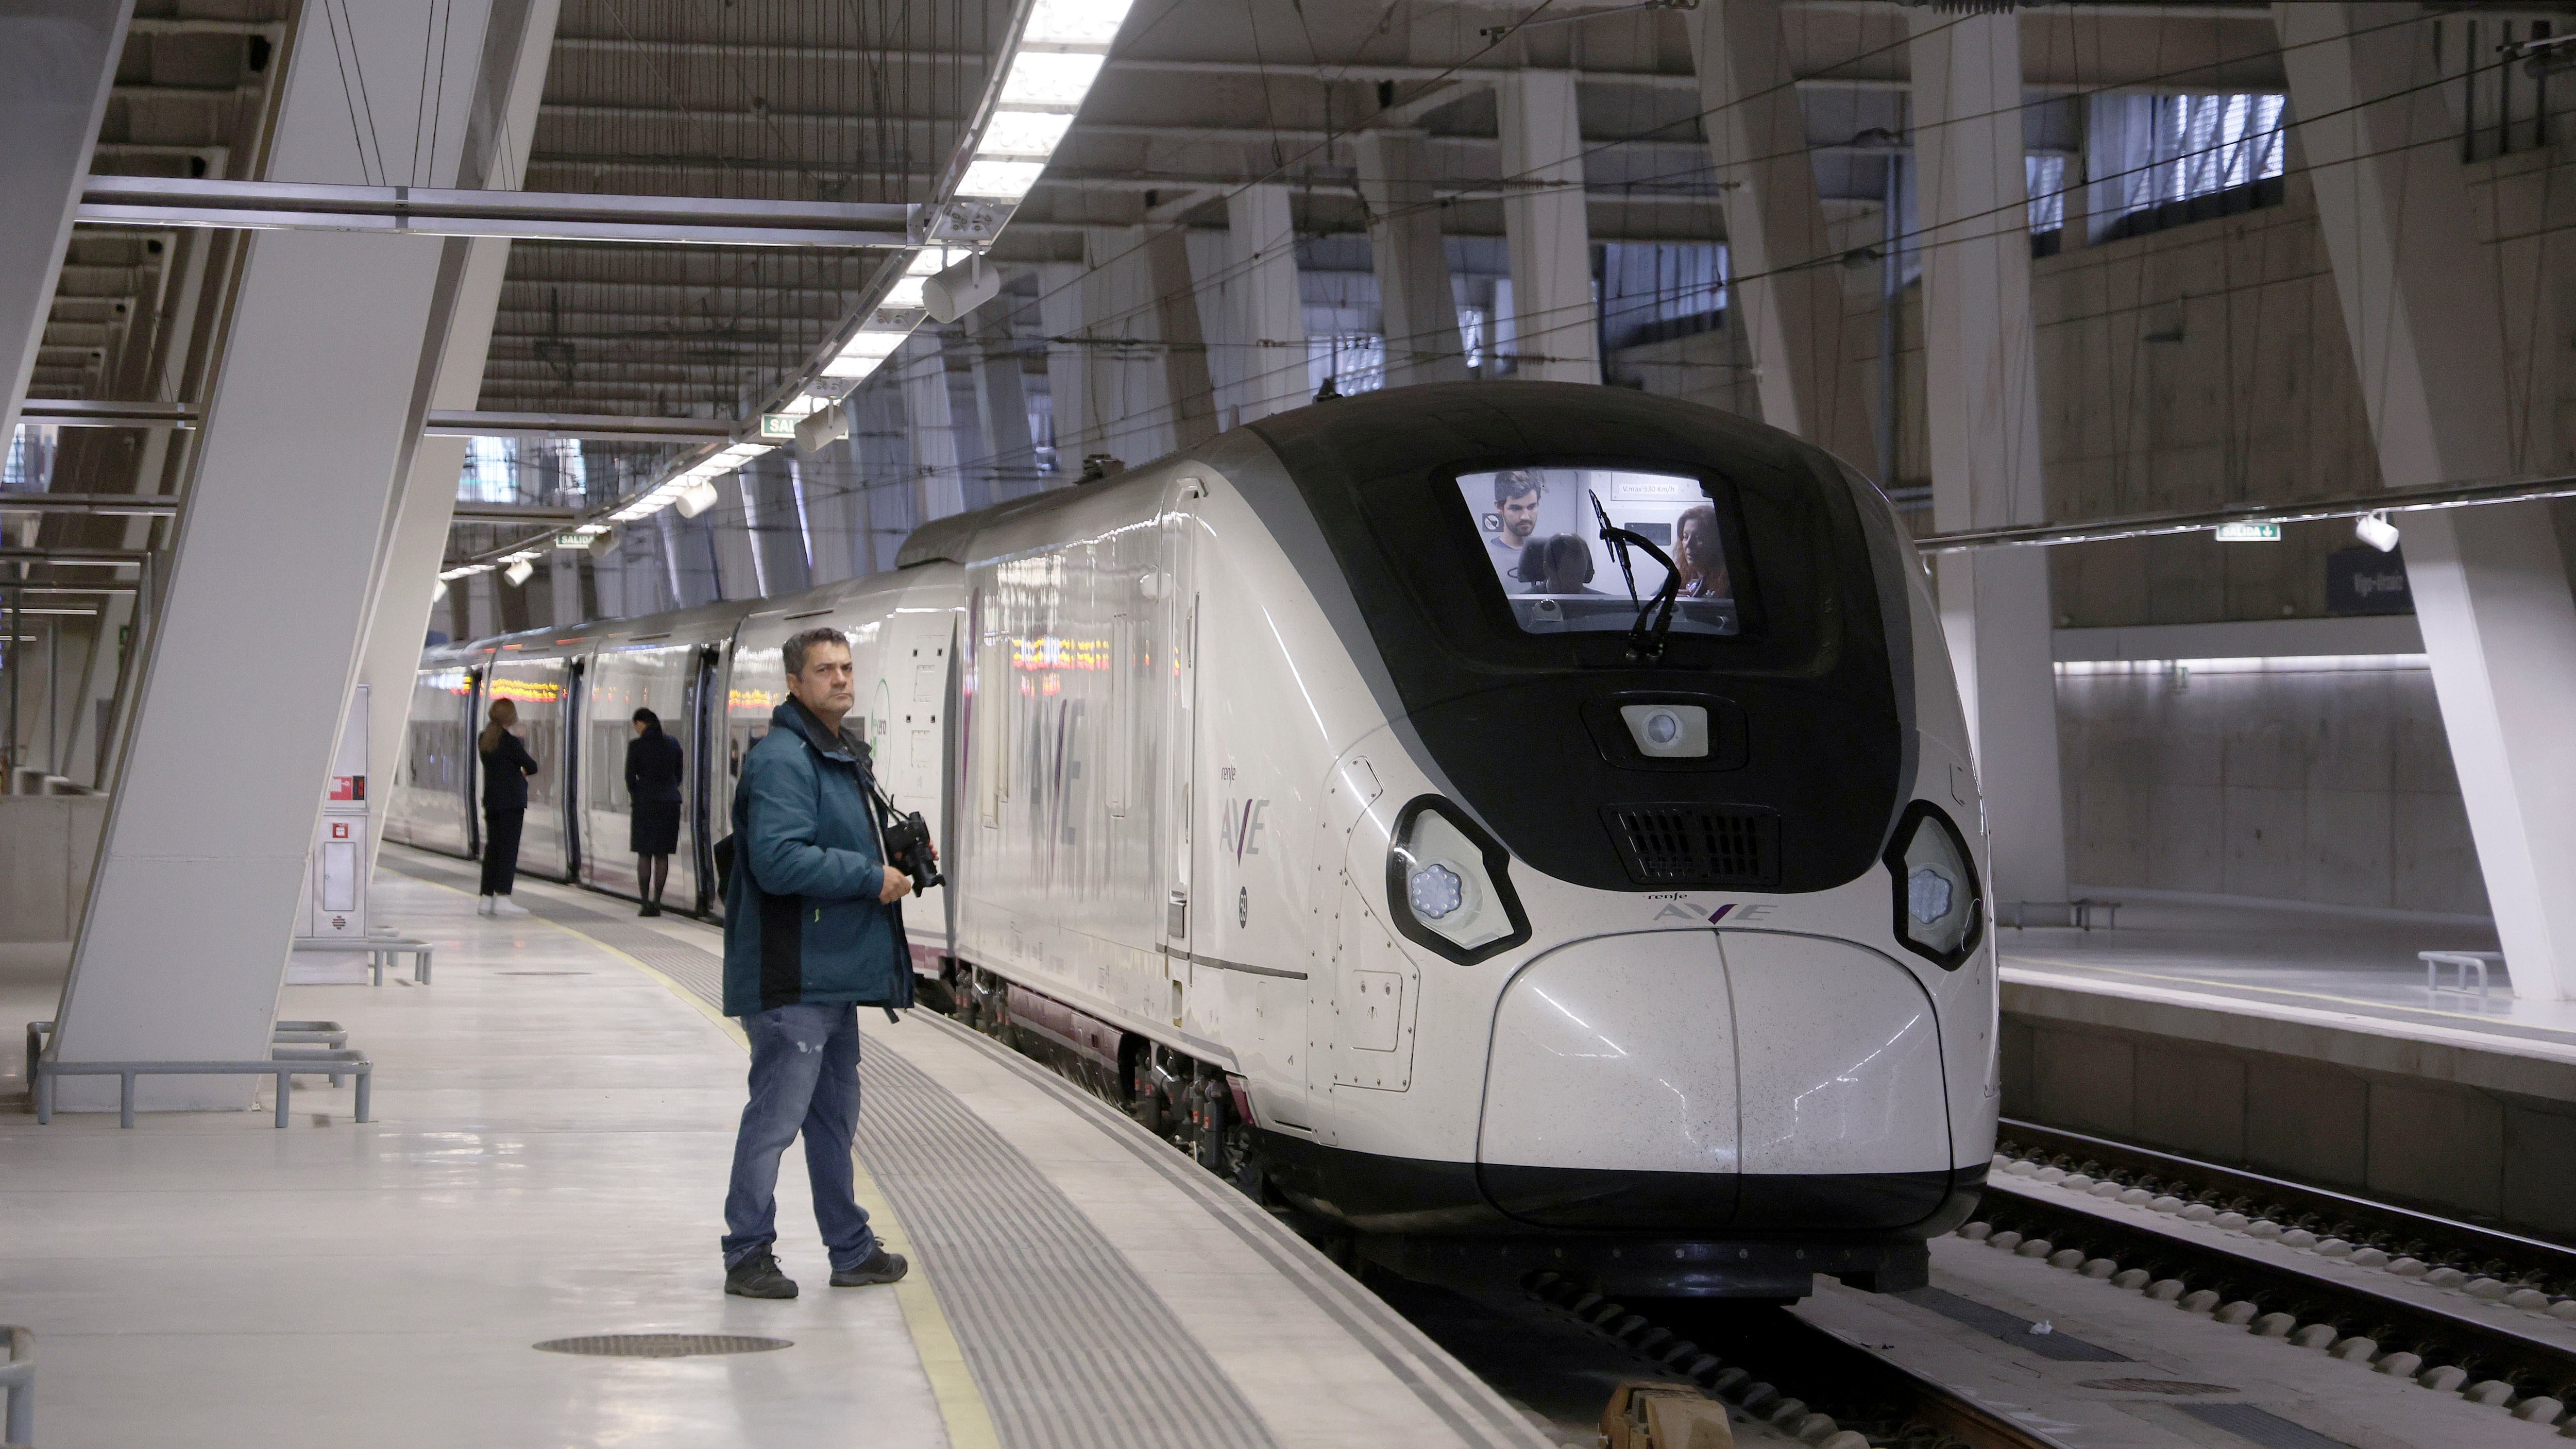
{"points": [[802, 919]]}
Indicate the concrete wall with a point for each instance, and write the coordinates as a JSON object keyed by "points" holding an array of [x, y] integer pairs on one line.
{"points": [[2307, 780], [2458, 1129], [48, 844]]}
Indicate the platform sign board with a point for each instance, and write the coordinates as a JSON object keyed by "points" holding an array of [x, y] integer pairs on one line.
{"points": [[2366, 581], [334, 899]]}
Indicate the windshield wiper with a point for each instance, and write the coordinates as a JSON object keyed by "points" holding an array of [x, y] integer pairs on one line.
{"points": [[1645, 639]]}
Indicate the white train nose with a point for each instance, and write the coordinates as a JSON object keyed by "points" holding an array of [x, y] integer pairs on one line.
{"points": [[1695, 1080]]}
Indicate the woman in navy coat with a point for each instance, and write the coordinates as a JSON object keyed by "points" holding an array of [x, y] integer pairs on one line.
{"points": [[506, 768], [653, 803]]}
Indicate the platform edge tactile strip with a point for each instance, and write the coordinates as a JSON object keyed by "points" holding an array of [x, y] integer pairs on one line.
{"points": [[1444, 1386], [1069, 1345]]}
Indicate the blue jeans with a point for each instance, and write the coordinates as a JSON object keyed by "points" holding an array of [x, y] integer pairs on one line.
{"points": [[804, 1076]]}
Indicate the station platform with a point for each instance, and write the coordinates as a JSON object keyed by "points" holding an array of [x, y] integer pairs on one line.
{"points": [[554, 1120], [2301, 1042]]}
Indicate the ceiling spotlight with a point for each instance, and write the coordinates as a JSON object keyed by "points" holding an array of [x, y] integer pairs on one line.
{"points": [[603, 543], [437, 590], [517, 573], [961, 289], [697, 498], [2375, 529]]}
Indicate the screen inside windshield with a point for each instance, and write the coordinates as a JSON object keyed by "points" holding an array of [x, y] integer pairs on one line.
{"points": [[1541, 530]]}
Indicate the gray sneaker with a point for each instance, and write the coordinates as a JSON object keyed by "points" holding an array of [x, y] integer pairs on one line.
{"points": [[881, 1267], [758, 1277]]}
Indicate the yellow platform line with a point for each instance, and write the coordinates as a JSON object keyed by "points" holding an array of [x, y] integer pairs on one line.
{"points": [[952, 1383]]}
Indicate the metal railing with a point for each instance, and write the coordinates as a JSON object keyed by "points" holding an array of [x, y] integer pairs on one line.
{"points": [[18, 1383]]}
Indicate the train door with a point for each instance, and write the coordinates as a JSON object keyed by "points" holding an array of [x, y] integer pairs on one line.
{"points": [[708, 783], [1178, 617], [952, 742], [470, 771], [576, 714]]}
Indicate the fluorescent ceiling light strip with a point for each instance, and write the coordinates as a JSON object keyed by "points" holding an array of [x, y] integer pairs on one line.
{"points": [[1051, 77], [1075, 22]]}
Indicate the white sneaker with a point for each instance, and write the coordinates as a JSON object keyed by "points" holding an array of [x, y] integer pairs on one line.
{"points": [[482, 905], [504, 906]]}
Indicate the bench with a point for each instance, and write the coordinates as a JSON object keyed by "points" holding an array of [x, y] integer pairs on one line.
{"points": [[286, 1033], [380, 951], [2461, 962], [284, 1063], [18, 1386]]}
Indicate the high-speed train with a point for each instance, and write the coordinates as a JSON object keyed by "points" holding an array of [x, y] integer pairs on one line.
{"points": [[1360, 801]]}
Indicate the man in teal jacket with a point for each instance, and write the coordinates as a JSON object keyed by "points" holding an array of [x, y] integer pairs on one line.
{"points": [[812, 933]]}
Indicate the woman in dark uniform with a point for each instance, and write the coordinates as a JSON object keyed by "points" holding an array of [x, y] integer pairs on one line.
{"points": [[506, 768], [653, 803]]}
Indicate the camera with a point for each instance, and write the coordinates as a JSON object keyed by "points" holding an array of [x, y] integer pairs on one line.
{"points": [[908, 847]]}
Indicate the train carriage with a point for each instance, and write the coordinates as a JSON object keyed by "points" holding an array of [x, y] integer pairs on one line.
{"points": [[1522, 825]]}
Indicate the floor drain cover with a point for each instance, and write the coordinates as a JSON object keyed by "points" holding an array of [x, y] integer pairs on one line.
{"points": [[661, 1345], [2158, 1386]]}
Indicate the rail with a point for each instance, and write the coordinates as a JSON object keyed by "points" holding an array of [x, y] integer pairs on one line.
{"points": [[2293, 1204], [1806, 1381]]}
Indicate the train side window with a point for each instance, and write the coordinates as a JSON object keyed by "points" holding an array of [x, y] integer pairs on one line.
{"points": [[1121, 744], [992, 699]]}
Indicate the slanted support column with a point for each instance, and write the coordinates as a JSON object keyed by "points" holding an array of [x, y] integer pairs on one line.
{"points": [[1414, 296], [1002, 404], [313, 421], [498, 135], [1789, 301], [1189, 390], [1556, 335], [1061, 287], [57, 60], [931, 427], [2422, 311], [1127, 390], [1984, 423], [1270, 316]]}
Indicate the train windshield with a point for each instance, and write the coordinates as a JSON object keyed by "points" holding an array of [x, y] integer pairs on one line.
{"points": [[1542, 531]]}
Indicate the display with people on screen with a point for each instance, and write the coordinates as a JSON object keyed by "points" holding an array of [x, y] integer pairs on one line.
{"points": [[1542, 531]]}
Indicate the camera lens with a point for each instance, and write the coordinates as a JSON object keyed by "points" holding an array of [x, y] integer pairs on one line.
{"points": [[1663, 727]]}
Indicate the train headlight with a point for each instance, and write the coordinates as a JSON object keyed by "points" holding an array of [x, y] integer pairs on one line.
{"points": [[1449, 884], [1940, 914], [1435, 891]]}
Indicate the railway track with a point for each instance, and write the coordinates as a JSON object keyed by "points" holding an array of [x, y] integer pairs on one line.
{"points": [[2473, 1250], [1804, 1380]]}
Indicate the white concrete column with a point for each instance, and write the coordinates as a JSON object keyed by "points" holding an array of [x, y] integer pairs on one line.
{"points": [[2423, 313], [1002, 404], [57, 59], [1787, 300], [1127, 389], [1554, 325], [497, 138], [930, 425], [1061, 287], [824, 485], [1414, 290], [741, 573], [563, 575], [1189, 389], [1984, 422], [1269, 322], [889, 506], [331, 356]]}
